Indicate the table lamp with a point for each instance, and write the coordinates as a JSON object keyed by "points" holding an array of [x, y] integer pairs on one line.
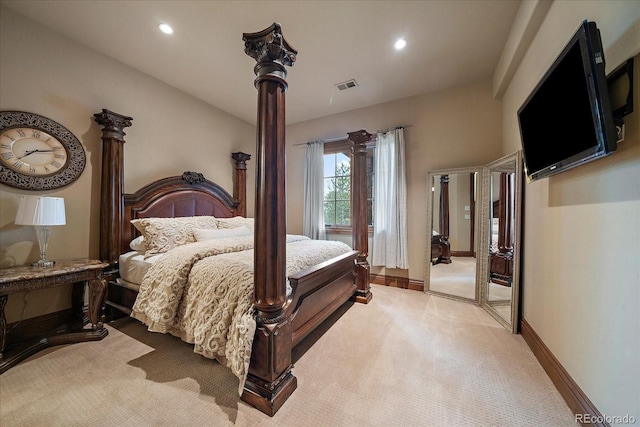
{"points": [[41, 212]]}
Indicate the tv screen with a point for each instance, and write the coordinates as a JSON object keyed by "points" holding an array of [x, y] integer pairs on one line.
{"points": [[567, 120]]}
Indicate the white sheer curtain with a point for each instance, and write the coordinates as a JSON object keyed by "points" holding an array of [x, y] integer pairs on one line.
{"points": [[390, 201], [313, 225]]}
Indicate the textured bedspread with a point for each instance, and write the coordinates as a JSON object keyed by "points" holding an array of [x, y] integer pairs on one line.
{"points": [[203, 293]]}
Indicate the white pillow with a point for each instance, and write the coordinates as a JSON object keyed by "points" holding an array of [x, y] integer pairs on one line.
{"points": [[235, 222], [138, 244], [203, 234], [163, 234]]}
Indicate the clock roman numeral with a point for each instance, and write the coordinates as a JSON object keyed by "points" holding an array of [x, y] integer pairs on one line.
{"points": [[18, 164], [7, 156], [21, 133], [35, 134], [5, 146], [56, 148], [32, 169], [46, 169], [56, 164], [59, 156]]}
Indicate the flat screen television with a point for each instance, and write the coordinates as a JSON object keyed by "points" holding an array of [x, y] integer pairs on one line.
{"points": [[567, 120]]}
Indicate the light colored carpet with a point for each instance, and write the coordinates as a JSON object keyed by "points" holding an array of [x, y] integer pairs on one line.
{"points": [[459, 279], [405, 359]]}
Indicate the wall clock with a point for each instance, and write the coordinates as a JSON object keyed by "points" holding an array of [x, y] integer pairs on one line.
{"points": [[37, 153]]}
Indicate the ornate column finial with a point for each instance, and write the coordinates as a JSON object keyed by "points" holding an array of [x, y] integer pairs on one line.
{"points": [[269, 45], [241, 159], [271, 52], [360, 136], [112, 122]]}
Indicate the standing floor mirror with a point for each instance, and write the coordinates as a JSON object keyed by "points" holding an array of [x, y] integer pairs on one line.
{"points": [[502, 205], [452, 242], [473, 242]]}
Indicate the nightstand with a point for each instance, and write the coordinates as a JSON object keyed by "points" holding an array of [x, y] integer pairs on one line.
{"points": [[82, 274]]}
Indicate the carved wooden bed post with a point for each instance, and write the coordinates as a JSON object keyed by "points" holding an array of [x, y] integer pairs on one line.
{"points": [[505, 206], [444, 205], [501, 262], [240, 184], [112, 183], [359, 213], [270, 382]]}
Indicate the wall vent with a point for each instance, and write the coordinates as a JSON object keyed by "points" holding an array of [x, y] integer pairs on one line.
{"points": [[347, 85]]}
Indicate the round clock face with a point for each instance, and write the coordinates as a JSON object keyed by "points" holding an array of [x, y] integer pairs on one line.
{"points": [[37, 153], [31, 151]]}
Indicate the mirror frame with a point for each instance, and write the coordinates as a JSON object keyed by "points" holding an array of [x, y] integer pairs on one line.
{"points": [[480, 253], [511, 324]]}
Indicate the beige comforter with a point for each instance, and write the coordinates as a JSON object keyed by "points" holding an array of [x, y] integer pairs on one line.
{"points": [[203, 293]]}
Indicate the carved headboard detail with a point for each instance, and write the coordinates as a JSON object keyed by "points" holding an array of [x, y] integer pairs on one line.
{"points": [[187, 195]]}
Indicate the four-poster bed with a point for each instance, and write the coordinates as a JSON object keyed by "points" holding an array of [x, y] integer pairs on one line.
{"points": [[282, 317]]}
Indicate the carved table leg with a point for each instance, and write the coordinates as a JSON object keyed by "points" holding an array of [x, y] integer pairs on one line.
{"points": [[3, 323], [97, 298], [77, 300]]}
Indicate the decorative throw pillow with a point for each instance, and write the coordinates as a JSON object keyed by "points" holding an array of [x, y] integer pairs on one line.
{"points": [[138, 244], [163, 234], [202, 234], [235, 222]]}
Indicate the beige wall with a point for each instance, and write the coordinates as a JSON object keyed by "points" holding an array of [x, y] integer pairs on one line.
{"points": [[581, 285], [459, 198], [452, 128], [47, 74]]}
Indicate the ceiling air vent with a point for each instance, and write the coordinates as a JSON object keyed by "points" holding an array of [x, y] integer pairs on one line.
{"points": [[347, 85]]}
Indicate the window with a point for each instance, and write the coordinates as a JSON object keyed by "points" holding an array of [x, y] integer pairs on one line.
{"points": [[337, 189], [337, 185]]}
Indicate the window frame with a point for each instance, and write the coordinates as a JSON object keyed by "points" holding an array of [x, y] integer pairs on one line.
{"points": [[345, 147]]}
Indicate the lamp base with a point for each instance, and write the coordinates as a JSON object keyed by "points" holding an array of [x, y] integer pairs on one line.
{"points": [[43, 264], [43, 240]]}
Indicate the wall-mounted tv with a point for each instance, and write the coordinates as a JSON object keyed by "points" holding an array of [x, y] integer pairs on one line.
{"points": [[567, 120]]}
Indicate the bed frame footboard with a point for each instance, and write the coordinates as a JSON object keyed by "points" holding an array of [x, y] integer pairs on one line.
{"points": [[318, 291]]}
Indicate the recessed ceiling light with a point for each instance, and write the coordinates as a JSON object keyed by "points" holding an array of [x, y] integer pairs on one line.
{"points": [[166, 28], [400, 44]]}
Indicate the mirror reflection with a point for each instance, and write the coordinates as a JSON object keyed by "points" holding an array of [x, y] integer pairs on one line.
{"points": [[503, 203], [502, 231], [473, 242], [452, 268]]}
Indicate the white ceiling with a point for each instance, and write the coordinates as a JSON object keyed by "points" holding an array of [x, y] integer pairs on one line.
{"points": [[449, 43]]}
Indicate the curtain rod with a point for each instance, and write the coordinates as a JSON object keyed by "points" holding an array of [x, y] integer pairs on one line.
{"points": [[342, 138], [323, 141], [392, 128]]}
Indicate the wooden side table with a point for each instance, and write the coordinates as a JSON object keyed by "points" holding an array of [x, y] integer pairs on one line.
{"points": [[81, 273]]}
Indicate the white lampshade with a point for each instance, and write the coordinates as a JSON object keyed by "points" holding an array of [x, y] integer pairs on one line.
{"points": [[41, 210]]}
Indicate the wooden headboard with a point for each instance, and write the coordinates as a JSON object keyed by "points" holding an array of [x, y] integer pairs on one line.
{"points": [[186, 195]]}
